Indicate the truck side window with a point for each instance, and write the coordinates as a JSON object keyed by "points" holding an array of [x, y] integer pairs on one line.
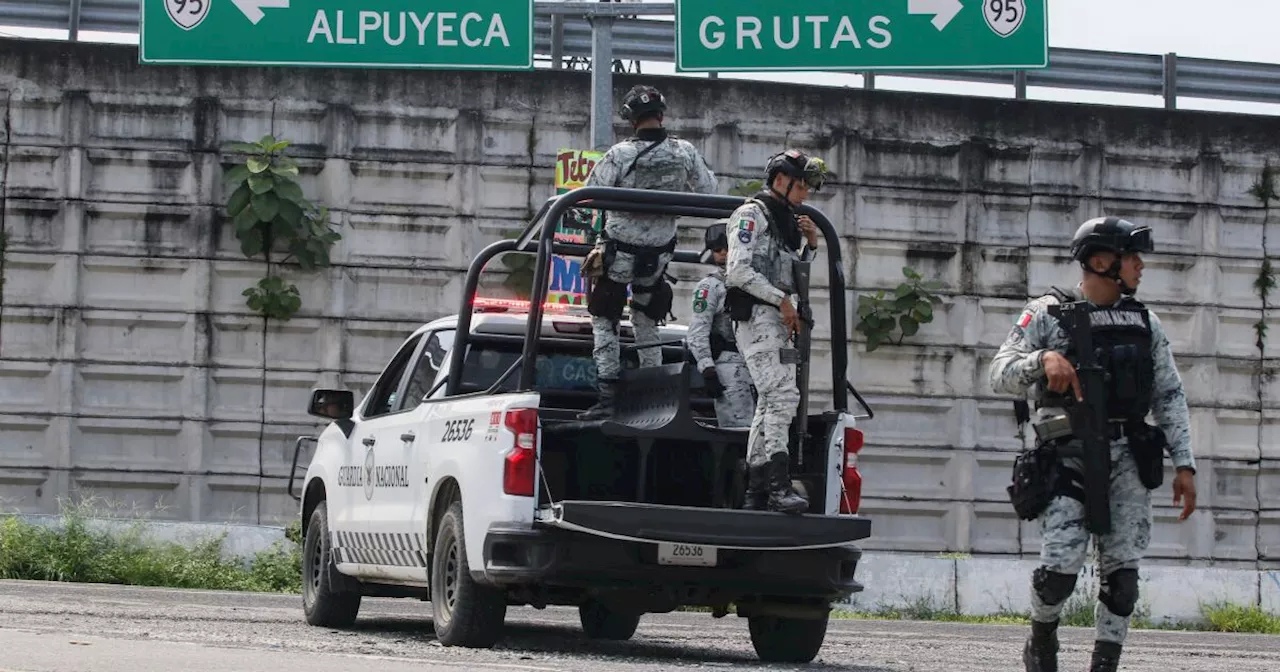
{"points": [[427, 367], [383, 400]]}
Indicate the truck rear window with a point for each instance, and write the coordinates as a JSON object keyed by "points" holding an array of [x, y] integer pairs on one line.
{"points": [[556, 369]]}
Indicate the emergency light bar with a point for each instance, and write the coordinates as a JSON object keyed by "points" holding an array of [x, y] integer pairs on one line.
{"points": [[493, 305]]}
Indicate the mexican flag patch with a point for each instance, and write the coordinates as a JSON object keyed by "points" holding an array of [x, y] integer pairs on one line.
{"points": [[746, 228]]}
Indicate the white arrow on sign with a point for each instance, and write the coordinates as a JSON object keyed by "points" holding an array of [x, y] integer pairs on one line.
{"points": [[942, 10], [252, 9]]}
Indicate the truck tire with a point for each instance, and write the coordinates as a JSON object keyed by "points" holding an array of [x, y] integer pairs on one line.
{"points": [[464, 612], [327, 598], [601, 622], [787, 640]]}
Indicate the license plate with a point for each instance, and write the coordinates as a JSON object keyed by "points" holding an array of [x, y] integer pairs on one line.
{"points": [[686, 554]]}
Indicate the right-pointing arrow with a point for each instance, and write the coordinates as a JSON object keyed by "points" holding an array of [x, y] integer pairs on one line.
{"points": [[943, 11], [252, 9]]}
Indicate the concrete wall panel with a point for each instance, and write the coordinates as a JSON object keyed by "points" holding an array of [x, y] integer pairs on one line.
{"points": [[132, 367]]}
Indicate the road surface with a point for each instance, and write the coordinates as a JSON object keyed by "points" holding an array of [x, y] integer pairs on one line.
{"points": [[46, 627]]}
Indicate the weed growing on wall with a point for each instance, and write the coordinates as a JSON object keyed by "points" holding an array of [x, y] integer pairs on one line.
{"points": [[271, 214], [1265, 191], [910, 306]]}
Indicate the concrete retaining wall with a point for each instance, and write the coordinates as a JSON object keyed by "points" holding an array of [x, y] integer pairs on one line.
{"points": [[130, 366]]}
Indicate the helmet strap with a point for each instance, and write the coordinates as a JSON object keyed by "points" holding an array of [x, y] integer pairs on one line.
{"points": [[1112, 273]]}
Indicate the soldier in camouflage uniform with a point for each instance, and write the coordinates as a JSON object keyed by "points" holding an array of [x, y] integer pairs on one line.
{"points": [[1034, 358], [635, 248], [712, 342], [765, 239]]}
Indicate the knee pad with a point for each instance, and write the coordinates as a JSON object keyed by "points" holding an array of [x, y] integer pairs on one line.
{"points": [[1119, 591], [1053, 588], [607, 299], [660, 299]]}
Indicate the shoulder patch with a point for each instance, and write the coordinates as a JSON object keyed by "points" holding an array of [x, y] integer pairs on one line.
{"points": [[746, 228], [699, 305], [1025, 319], [701, 293]]}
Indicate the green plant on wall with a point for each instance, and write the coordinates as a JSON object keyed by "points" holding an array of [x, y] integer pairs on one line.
{"points": [[271, 214], [909, 306], [1265, 191], [748, 188]]}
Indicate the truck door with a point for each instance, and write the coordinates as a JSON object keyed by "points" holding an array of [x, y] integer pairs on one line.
{"points": [[372, 445], [400, 476]]}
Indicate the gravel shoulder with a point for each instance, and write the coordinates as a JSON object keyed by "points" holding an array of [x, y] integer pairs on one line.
{"points": [[92, 628]]}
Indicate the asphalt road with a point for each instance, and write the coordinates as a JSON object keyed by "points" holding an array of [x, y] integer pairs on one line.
{"points": [[95, 628]]}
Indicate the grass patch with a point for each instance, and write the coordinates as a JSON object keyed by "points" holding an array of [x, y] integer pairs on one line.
{"points": [[71, 550], [1224, 617]]}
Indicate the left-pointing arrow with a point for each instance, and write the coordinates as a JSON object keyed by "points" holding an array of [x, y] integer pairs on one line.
{"points": [[252, 9]]}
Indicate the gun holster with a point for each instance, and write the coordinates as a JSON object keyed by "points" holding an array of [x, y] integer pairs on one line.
{"points": [[1035, 472], [1035, 480], [1147, 445]]}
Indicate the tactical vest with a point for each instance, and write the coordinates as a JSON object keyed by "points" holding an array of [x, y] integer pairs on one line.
{"points": [[1122, 345], [771, 258]]}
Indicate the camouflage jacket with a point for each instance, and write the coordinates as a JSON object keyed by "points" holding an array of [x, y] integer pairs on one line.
{"points": [[709, 316], [674, 165]]}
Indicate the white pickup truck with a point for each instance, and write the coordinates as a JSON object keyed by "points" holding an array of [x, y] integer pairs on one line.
{"points": [[463, 477]]}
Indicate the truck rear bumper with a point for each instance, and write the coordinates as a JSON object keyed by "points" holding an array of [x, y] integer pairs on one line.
{"points": [[516, 556]]}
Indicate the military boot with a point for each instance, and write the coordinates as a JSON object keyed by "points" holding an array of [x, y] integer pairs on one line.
{"points": [[1041, 652], [1106, 657], [782, 497], [603, 408], [757, 493]]}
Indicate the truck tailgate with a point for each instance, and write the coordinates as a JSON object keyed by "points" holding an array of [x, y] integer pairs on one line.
{"points": [[723, 528]]}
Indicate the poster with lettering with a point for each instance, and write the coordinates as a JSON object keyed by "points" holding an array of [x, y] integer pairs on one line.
{"points": [[567, 284]]}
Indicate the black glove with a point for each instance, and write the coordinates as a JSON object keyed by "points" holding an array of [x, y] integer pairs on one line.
{"points": [[714, 387]]}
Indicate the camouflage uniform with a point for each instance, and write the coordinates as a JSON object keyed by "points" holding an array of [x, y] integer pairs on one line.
{"points": [[1017, 369], [735, 407], [673, 165], [760, 266]]}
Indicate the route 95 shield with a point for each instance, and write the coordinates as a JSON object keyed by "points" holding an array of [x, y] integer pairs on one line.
{"points": [[187, 14], [1003, 16]]}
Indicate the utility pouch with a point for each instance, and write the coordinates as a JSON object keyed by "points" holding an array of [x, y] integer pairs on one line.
{"points": [[1147, 444], [1035, 481], [739, 304], [593, 265]]}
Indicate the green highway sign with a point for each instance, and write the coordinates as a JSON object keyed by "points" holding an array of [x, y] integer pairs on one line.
{"points": [[459, 34], [815, 35]]}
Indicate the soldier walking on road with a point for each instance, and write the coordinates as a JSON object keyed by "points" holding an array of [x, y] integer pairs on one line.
{"points": [[765, 239], [1132, 347], [635, 248], [711, 338]]}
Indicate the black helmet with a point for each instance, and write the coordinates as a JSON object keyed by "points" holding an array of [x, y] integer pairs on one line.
{"points": [[1110, 233], [1116, 235], [642, 101], [715, 237], [799, 165]]}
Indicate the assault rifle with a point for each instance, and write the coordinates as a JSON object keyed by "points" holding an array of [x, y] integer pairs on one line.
{"points": [[804, 340], [1089, 419]]}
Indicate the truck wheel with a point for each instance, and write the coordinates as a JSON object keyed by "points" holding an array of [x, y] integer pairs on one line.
{"points": [[601, 622], [787, 640], [323, 602], [465, 613]]}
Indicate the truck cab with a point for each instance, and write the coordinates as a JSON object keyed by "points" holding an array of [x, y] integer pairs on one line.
{"points": [[464, 478]]}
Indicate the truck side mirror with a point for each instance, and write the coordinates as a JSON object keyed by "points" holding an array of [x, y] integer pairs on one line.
{"points": [[332, 404]]}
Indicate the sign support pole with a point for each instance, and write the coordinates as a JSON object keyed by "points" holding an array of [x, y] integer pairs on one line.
{"points": [[601, 82]]}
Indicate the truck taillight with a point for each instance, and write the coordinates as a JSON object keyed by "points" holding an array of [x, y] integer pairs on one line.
{"points": [[851, 499], [521, 463]]}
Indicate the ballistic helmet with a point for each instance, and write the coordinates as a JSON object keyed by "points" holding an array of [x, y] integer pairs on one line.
{"points": [[714, 238], [1110, 233], [799, 165], [642, 101]]}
